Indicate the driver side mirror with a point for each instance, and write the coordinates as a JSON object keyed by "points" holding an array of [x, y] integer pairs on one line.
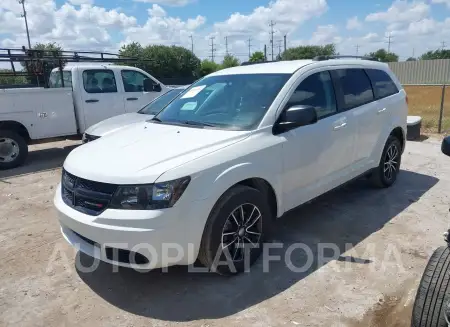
{"points": [[150, 86], [445, 147], [295, 116]]}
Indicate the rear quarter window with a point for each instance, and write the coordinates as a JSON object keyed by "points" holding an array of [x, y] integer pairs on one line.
{"points": [[383, 85], [355, 86]]}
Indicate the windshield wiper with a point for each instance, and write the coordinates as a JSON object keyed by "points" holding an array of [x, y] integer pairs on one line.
{"points": [[156, 119], [198, 123]]}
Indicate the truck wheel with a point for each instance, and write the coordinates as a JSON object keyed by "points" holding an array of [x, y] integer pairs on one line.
{"points": [[234, 233], [386, 173], [433, 294], [13, 150]]}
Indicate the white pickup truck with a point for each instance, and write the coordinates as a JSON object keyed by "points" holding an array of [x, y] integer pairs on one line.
{"points": [[91, 93]]}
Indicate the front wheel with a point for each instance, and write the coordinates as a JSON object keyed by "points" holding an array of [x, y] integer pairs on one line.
{"points": [[13, 150], [234, 233], [386, 173]]}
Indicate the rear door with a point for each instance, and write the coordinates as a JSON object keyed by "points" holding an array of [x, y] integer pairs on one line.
{"points": [[134, 96], [100, 97]]}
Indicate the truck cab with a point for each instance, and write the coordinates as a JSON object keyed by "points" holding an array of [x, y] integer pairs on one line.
{"points": [[101, 91]]}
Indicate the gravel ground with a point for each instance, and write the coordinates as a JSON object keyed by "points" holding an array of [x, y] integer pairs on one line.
{"points": [[383, 237]]}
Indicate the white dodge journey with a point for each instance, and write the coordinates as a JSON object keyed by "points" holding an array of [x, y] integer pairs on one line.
{"points": [[207, 176]]}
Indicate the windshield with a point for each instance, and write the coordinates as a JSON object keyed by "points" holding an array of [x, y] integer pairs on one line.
{"points": [[156, 106], [55, 79], [227, 101]]}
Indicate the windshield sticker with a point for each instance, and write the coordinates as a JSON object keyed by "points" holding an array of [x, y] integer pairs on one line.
{"points": [[193, 92], [189, 106]]}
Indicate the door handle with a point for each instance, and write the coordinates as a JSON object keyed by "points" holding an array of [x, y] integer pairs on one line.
{"points": [[381, 110], [132, 99], [91, 101], [339, 126]]}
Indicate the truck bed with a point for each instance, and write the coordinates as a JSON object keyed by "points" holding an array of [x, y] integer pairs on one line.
{"points": [[44, 112]]}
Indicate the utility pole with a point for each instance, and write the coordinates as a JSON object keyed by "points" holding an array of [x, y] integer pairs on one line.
{"points": [[265, 52], [24, 15], [357, 49], [285, 42], [212, 47], [279, 48], [272, 24], [249, 47], [192, 43], [442, 45], [226, 45], [389, 41]]}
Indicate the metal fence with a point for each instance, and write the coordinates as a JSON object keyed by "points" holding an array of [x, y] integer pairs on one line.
{"points": [[427, 84]]}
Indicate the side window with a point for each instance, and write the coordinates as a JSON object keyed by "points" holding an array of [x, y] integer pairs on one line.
{"points": [[317, 91], [383, 86], [133, 81], [355, 86], [99, 81]]}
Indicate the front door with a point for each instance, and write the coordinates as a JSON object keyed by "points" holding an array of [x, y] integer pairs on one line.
{"points": [[135, 97], [314, 154], [100, 97]]}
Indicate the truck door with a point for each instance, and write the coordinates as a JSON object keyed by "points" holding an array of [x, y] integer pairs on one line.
{"points": [[100, 98], [135, 98]]}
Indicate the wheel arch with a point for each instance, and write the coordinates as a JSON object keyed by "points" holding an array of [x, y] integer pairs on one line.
{"points": [[17, 127], [400, 135]]}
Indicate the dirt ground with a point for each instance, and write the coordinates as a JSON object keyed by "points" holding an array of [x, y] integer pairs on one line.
{"points": [[384, 238]]}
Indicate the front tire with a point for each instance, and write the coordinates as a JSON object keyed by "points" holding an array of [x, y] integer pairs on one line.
{"points": [[234, 233], [386, 173], [13, 150], [433, 296]]}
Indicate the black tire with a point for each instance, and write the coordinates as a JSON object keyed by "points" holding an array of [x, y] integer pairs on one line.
{"points": [[211, 254], [378, 176], [433, 293], [22, 154]]}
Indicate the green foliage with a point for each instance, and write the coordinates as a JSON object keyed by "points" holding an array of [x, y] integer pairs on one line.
{"points": [[437, 54], [165, 61], [308, 52], [384, 56], [11, 80], [208, 67], [411, 59], [257, 56], [230, 61]]}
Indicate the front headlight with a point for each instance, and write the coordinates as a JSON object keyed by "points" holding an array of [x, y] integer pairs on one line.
{"points": [[150, 196]]}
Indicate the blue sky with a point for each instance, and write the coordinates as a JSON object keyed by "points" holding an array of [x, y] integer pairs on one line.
{"points": [[415, 26]]}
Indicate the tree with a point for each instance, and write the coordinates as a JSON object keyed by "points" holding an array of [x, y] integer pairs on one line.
{"points": [[11, 80], [163, 61], [230, 61], [411, 59], [208, 67], [308, 52], [40, 69], [384, 56], [257, 56], [437, 54]]}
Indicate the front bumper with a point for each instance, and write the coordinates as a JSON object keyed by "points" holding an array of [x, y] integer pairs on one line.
{"points": [[164, 237]]}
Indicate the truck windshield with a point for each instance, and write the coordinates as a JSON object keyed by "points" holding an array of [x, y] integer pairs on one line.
{"points": [[55, 79], [156, 105], [225, 101]]}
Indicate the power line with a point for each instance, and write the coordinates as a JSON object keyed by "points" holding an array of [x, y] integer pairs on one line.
{"points": [[389, 41], [272, 24], [212, 47], [249, 47], [192, 43], [24, 15]]}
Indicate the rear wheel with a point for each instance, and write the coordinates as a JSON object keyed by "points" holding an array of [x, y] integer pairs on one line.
{"points": [[13, 150], [430, 306], [386, 173], [235, 230]]}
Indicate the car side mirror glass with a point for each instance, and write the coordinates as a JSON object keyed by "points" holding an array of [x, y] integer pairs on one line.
{"points": [[295, 116], [445, 147], [150, 86]]}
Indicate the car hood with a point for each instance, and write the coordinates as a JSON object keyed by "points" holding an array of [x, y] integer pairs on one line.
{"points": [[115, 123], [142, 152]]}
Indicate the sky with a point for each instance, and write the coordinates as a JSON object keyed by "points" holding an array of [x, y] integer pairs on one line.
{"points": [[354, 26]]}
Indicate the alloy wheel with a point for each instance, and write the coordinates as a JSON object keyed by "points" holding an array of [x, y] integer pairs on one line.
{"points": [[9, 149], [391, 161]]}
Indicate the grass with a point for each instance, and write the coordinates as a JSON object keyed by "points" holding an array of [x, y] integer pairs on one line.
{"points": [[425, 101]]}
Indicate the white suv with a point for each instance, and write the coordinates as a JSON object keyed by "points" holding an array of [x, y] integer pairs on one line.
{"points": [[208, 174]]}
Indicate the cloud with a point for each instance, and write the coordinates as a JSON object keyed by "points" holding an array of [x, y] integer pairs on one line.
{"points": [[353, 23], [325, 34], [447, 2], [401, 12], [81, 2], [173, 3], [156, 11]]}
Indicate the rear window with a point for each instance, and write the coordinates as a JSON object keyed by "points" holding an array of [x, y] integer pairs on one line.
{"points": [[382, 84], [55, 79], [355, 85]]}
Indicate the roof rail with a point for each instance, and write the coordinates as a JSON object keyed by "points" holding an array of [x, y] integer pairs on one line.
{"points": [[322, 58], [248, 63]]}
